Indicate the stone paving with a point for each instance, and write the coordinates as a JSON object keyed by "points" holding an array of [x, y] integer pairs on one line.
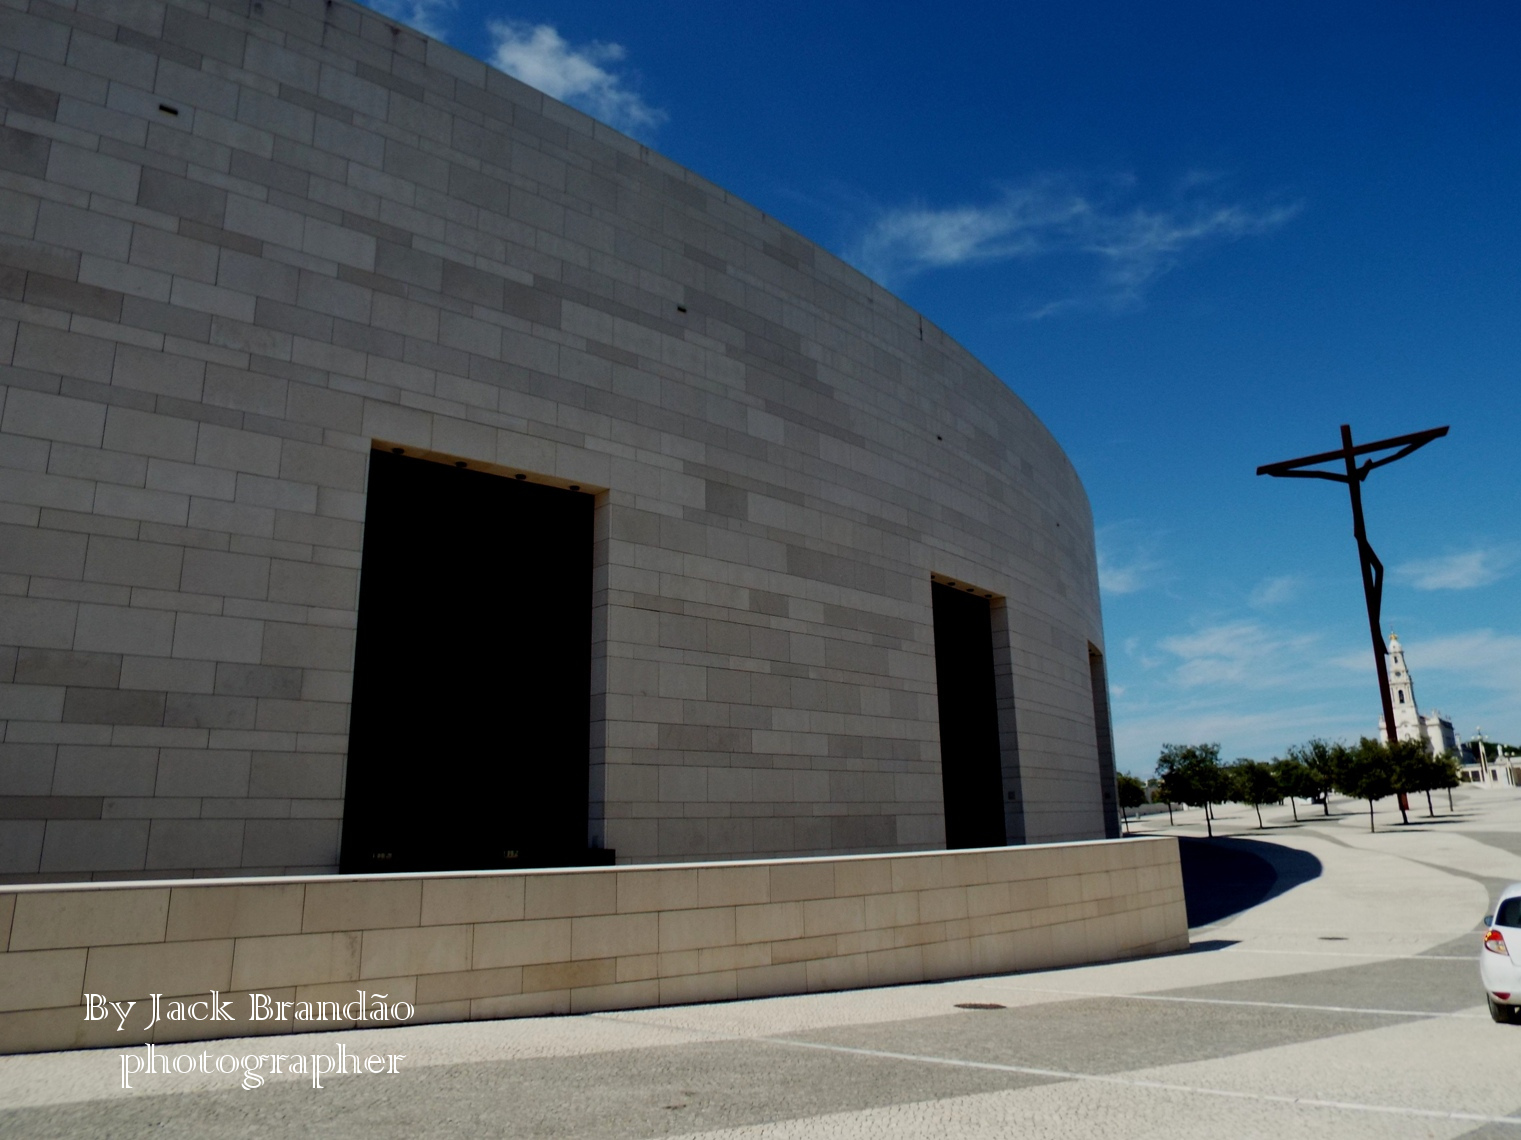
{"points": [[1344, 1003]]}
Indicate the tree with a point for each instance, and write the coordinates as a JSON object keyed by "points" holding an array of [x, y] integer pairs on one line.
{"points": [[1295, 780], [1364, 772], [1162, 792], [1319, 759], [1449, 774], [1191, 773], [1253, 783], [1132, 794], [1410, 769], [1417, 770]]}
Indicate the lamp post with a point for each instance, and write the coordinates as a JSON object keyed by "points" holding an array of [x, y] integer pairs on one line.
{"points": [[1372, 568]]}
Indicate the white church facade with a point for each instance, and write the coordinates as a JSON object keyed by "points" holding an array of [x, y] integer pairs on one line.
{"points": [[1434, 729]]}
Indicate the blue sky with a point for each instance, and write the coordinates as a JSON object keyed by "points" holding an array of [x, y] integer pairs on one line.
{"points": [[1194, 238]]}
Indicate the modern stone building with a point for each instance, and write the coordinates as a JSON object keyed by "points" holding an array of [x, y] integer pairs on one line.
{"points": [[401, 470]]}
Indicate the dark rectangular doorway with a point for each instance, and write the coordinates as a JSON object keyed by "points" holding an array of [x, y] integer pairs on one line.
{"points": [[971, 769], [1098, 679], [471, 723]]}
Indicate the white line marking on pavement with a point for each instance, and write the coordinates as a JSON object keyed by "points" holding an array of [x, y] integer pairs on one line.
{"points": [[1237, 1001], [1355, 954], [1161, 1086]]}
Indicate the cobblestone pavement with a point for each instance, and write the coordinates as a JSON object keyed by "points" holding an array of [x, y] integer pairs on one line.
{"points": [[1334, 995]]}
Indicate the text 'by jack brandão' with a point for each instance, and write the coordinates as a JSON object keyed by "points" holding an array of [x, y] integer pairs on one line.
{"points": [[262, 1009]]}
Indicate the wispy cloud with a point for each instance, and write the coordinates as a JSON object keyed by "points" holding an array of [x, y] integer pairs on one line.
{"points": [[1126, 577], [1257, 688], [1127, 562], [1275, 591], [1261, 733], [430, 17], [1251, 686], [1125, 244], [1481, 657], [1243, 654], [582, 75], [1467, 570]]}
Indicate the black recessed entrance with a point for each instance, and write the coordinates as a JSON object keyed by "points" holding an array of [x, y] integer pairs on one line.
{"points": [[1108, 792], [971, 769], [470, 732]]}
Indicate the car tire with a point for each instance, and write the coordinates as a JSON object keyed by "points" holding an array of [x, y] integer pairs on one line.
{"points": [[1504, 1014]]}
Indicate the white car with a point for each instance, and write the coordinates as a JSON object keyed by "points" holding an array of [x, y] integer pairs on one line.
{"points": [[1500, 959]]}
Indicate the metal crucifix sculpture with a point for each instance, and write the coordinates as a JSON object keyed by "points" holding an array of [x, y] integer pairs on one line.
{"points": [[1372, 568]]}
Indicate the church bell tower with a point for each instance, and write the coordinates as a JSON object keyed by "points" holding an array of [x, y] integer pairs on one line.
{"points": [[1407, 718]]}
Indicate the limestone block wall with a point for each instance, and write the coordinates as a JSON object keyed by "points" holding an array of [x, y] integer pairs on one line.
{"points": [[242, 244], [458, 947]]}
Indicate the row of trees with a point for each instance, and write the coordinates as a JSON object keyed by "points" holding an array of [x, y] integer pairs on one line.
{"points": [[1368, 770]]}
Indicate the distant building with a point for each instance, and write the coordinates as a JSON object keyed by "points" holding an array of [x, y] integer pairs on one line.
{"points": [[1434, 729], [1492, 764]]}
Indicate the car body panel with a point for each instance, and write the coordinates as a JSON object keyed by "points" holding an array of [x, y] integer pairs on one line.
{"points": [[1501, 973]]}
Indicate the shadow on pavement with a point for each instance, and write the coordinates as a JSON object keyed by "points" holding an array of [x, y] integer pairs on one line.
{"points": [[1222, 877], [1209, 945]]}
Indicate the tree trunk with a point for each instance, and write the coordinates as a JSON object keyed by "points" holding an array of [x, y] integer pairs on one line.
{"points": [[1208, 826], [1259, 816], [1430, 811], [1169, 813], [1294, 808], [1325, 802], [1370, 815], [1449, 800], [1400, 802]]}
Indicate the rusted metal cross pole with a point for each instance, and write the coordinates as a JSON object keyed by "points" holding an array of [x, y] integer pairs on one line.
{"points": [[1372, 568]]}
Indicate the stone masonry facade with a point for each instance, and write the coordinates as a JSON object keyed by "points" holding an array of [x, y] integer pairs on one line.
{"points": [[244, 242]]}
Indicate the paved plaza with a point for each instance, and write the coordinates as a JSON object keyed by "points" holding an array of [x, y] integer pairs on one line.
{"points": [[1331, 991]]}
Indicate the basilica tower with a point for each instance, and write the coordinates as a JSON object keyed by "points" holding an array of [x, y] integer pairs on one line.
{"points": [[1434, 730], [1407, 718]]}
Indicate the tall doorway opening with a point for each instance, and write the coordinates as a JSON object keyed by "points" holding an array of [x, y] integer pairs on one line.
{"points": [[1098, 679], [470, 731], [971, 769]]}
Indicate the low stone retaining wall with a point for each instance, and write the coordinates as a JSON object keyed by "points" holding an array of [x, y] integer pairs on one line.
{"points": [[461, 946]]}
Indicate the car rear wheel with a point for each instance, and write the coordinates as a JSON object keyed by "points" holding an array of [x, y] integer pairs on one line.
{"points": [[1505, 1014]]}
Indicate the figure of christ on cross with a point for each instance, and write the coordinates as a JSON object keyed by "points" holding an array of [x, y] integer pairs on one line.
{"points": [[1372, 568]]}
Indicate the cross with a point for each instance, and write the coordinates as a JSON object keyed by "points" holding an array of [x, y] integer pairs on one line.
{"points": [[1372, 568]]}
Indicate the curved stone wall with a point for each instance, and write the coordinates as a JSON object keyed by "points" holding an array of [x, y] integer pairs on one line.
{"points": [[244, 244]]}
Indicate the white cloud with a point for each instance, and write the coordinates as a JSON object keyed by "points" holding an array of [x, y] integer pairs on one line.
{"points": [[1241, 653], [1127, 562], [1275, 591], [430, 17], [1127, 245], [1256, 689], [1261, 734], [1481, 657], [1464, 571], [1130, 577], [1020, 224], [579, 75]]}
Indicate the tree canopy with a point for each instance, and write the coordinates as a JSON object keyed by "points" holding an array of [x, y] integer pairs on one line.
{"points": [[1253, 783], [1132, 791], [1190, 774], [1365, 772], [1295, 781], [1132, 794], [1319, 758]]}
